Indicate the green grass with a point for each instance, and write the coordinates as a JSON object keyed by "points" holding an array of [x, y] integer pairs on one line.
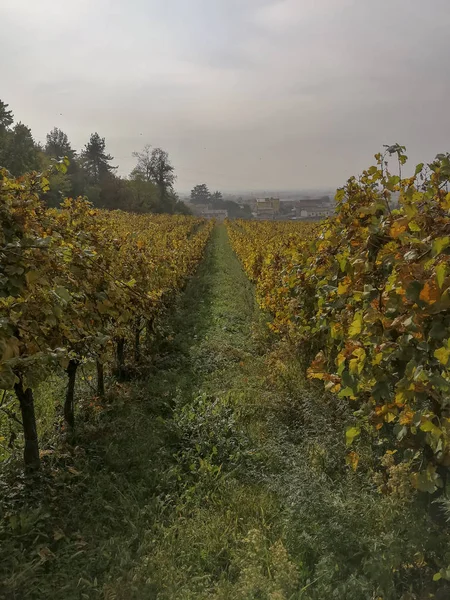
{"points": [[220, 475]]}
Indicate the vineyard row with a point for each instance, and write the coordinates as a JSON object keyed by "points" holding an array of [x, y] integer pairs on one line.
{"points": [[80, 285], [367, 293]]}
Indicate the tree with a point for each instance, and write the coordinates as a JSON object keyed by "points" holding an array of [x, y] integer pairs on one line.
{"points": [[154, 166], [95, 160], [115, 193], [162, 172], [6, 116], [216, 199], [143, 169], [200, 194], [61, 184], [58, 145], [6, 120], [181, 208], [21, 151], [145, 196]]}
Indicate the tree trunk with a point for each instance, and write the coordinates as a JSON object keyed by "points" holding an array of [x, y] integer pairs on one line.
{"points": [[120, 357], [71, 371], [31, 447], [100, 379]]}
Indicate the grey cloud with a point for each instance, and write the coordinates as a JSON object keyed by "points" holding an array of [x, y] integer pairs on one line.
{"points": [[254, 94]]}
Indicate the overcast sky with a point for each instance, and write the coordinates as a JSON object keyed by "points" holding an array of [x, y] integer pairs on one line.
{"points": [[243, 94]]}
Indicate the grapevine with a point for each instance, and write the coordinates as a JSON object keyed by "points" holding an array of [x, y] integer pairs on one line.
{"points": [[76, 282], [370, 288]]}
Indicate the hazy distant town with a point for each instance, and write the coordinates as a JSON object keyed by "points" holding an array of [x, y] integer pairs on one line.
{"points": [[266, 205]]}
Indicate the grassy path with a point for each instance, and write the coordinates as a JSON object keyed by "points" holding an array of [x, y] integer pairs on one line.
{"points": [[163, 496], [221, 475]]}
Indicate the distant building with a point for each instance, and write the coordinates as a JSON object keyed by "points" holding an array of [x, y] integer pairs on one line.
{"points": [[313, 213], [314, 208], [266, 208], [207, 212]]}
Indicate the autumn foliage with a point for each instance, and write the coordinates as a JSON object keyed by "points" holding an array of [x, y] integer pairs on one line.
{"points": [[370, 289], [79, 284]]}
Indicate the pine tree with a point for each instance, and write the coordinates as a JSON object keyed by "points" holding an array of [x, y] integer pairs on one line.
{"points": [[6, 116], [95, 160], [6, 120], [21, 151]]}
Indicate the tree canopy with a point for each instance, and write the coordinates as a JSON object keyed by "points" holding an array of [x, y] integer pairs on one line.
{"points": [[152, 181], [58, 145], [200, 194], [90, 173]]}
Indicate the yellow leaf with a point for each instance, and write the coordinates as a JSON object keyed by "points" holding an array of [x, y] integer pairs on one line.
{"points": [[342, 288], [378, 358], [356, 326], [356, 364], [413, 226], [427, 426], [335, 330], [340, 359], [442, 354], [350, 434], [400, 398], [445, 203], [389, 417], [315, 375], [398, 227]]}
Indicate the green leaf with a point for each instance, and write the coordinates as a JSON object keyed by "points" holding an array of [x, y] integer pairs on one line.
{"points": [[440, 244], [346, 392], [413, 291], [427, 480], [427, 425], [7, 378], [63, 293], [32, 276], [350, 434], [437, 576], [441, 271], [418, 169], [438, 330], [61, 167], [381, 391]]}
